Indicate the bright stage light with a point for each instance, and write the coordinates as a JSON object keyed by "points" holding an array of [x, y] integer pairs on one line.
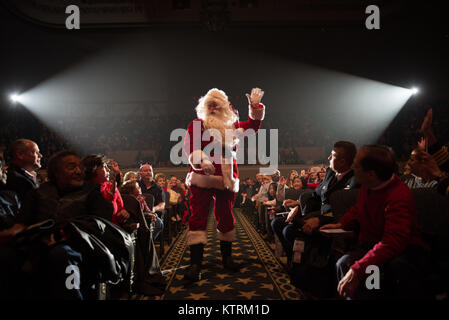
{"points": [[415, 90], [14, 97]]}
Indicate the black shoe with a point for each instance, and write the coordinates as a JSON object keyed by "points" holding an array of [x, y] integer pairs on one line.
{"points": [[193, 273], [230, 265]]}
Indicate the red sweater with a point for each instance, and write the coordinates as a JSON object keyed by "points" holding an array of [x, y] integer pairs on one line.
{"points": [[115, 198], [387, 218]]}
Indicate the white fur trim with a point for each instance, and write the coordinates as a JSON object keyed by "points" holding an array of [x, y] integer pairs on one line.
{"points": [[204, 181], [197, 155], [227, 236], [196, 237], [257, 113]]}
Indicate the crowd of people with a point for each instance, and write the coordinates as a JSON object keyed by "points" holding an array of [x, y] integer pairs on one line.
{"points": [[103, 133], [86, 207], [83, 214], [296, 212]]}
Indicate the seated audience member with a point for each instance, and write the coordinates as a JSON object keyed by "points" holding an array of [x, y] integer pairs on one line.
{"points": [[426, 167], [293, 194], [407, 169], [161, 181], [339, 176], [132, 188], [388, 238], [430, 144], [64, 197], [271, 202], [9, 202], [279, 223], [176, 189], [250, 188], [292, 175], [25, 160], [280, 185], [416, 178], [96, 171], [276, 176], [243, 201], [259, 198], [130, 176], [149, 187], [321, 175], [258, 183], [262, 195], [313, 180]]}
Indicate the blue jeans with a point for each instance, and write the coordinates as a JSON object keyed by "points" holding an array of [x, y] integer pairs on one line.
{"points": [[400, 278]]}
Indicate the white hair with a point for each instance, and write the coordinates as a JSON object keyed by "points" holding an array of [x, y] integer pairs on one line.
{"points": [[221, 99], [225, 116]]}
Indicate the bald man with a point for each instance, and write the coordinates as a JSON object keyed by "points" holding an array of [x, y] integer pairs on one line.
{"points": [[25, 160]]}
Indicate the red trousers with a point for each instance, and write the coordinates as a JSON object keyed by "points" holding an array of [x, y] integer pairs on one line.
{"points": [[200, 205]]}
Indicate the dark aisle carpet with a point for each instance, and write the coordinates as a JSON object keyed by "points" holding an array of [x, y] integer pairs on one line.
{"points": [[261, 277]]}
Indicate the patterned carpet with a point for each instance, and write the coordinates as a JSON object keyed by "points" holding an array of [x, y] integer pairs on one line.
{"points": [[261, 277]]}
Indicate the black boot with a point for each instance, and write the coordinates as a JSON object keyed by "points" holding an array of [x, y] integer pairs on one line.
{"points": [[193, 273], [226, 253]]}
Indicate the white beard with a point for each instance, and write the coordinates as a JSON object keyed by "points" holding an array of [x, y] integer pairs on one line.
{"points": [[221, 124]]}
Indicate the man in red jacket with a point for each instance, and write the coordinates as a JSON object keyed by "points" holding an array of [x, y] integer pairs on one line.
{"points": [[389, 237], [213, 172]]}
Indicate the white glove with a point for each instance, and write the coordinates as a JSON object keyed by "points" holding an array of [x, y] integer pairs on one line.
{"points": [[255, 97], [207, 167]]}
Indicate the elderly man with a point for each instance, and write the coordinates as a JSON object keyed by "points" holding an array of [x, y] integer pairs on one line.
{"points": [[151, 190], [389, 236], [25, 160]]}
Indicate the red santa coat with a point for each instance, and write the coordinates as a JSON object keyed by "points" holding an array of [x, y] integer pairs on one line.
{"points": [[196, 176]]}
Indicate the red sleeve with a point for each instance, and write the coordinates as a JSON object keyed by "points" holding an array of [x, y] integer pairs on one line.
{"points": [[105, 189], [250, 123], [396, 236], [118, 200], [188, 140], [115, 199]]}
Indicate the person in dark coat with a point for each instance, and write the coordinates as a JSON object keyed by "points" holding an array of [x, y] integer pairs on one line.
{"points": [[25, 160], [9, 202], [317, 211]]}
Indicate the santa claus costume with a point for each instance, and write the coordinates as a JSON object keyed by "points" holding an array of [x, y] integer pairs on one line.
{"points": [[213, 173]]}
